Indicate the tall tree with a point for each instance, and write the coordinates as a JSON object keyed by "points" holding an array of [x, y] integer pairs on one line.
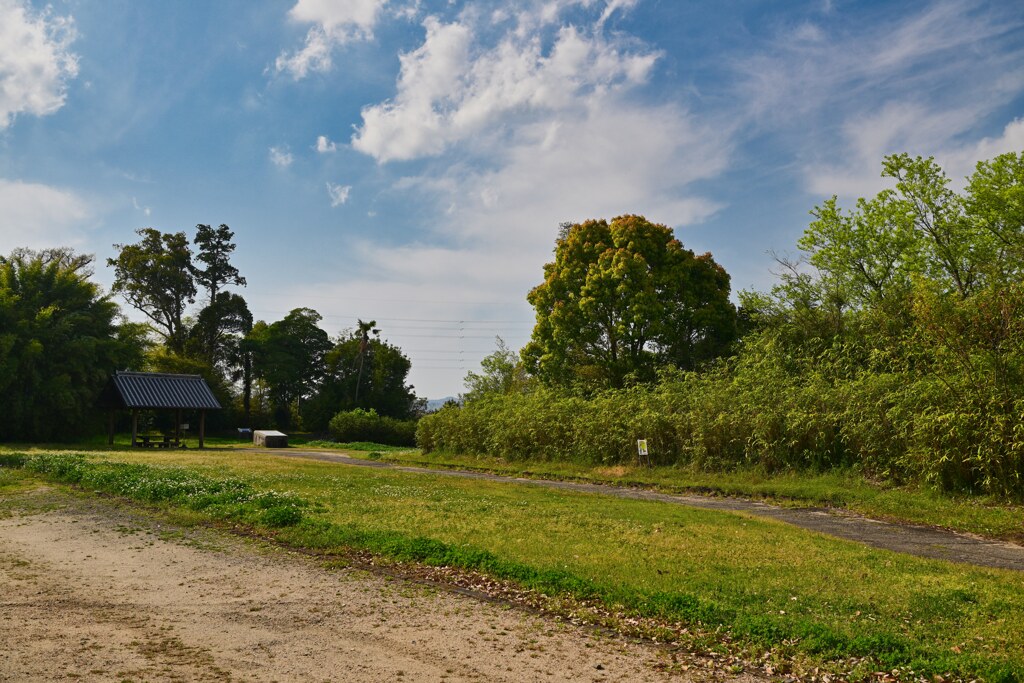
{"points": [[215, 249], [622, 298], [288, 356], [219, 329], [995, 202], [155, 277], [365, 329], [225, 315], [58, 343]]}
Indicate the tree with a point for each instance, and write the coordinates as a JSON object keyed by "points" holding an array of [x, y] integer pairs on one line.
{"points": [[501, 372], [622, 299], [288, 355], [364, 331], [867, 264], [155, 277], [215, 248], [995, 202], [58, 344], [218, 330], [225, 315], [362, 371]]}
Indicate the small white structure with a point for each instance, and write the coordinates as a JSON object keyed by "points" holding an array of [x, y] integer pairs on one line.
{"points": [[268, 438]]}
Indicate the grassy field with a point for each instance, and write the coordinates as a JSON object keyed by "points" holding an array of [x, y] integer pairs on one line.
{"points": [[846, 489], [750, 585]]}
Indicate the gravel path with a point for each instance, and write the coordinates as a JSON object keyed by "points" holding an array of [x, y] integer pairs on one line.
{"points": [[94, 591], [905, 538]]}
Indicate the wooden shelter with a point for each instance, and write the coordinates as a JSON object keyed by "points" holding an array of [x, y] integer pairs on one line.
{"points": [[137, 391]]}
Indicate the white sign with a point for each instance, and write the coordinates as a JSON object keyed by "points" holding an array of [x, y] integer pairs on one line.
{"points": [[641, 446]]}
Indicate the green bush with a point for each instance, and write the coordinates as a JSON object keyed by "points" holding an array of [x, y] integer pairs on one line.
{"points": [[367, 425], [893, 426]]}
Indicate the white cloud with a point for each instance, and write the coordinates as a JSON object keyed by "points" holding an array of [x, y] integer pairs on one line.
{"points": [[808, 68], [915, 131], [324, 145], [924, 82], [539, 135], [39, 216], [35, 61], [338, 193], [334, 23], [450, 89], [281, 157], [960, 161], [518, 130]]}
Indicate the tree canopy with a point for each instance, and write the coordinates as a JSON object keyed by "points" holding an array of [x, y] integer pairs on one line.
{"points": [[58, 344], [362, 371], [501, 372], [155, 277], [623, 298], [288, 356]]}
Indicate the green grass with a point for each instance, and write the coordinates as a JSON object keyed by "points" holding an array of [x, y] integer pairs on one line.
{"points": [[765, 585], [847, 489], [361, 446], [986, 516]]}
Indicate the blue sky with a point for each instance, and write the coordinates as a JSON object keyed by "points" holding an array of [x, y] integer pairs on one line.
{"points": [[409, 161]]}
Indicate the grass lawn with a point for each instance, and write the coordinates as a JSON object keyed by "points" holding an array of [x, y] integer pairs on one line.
{"points": [[983, 515], [765, 586], [847, 489]]}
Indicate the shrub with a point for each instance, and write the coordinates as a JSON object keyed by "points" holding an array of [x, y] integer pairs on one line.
{"points": [[367, 425]]}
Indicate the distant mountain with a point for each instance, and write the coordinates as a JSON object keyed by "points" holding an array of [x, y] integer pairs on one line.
{"points": [[436, 403]]}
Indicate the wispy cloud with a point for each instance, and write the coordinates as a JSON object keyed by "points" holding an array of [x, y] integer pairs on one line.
{"points": [[144, 209], [338, 193], [845, 95], [281, 157], [36, 60]]}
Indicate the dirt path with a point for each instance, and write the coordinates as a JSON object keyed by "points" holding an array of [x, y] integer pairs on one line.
{"points": [[90, 590], [905, 538]]}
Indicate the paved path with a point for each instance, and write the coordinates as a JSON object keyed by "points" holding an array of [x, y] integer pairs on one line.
{"points": [[905, 538]]}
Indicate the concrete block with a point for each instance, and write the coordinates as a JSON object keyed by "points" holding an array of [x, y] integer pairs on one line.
{"points": [[268, 438]]}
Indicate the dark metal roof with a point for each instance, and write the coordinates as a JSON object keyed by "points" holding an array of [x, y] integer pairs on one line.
{"points": [[158, 390]]}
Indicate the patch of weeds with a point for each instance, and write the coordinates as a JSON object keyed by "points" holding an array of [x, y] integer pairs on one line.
{"points": [[226, 499]]}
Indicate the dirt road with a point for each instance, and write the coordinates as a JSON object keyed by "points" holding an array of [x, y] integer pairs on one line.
{"points": [[91, 590]]}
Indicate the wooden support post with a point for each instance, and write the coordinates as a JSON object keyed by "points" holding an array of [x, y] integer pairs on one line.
{"points": [[202, 426], [110, 427], [177, 427], [135, 425]]}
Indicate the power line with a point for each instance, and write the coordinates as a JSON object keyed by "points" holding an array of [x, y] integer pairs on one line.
{"points": [[410, 320], [327, 297]]}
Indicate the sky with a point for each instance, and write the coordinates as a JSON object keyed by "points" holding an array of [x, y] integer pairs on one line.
{"points": [[410, 161]]}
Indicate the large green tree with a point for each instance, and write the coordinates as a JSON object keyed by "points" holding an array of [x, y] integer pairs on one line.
{"points": [[623, 298], [362, 371], [288, 355], [59, 342], [155, 277]]}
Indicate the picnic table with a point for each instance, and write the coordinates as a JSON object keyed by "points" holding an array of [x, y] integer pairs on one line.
{"points": [[156, 440]]}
